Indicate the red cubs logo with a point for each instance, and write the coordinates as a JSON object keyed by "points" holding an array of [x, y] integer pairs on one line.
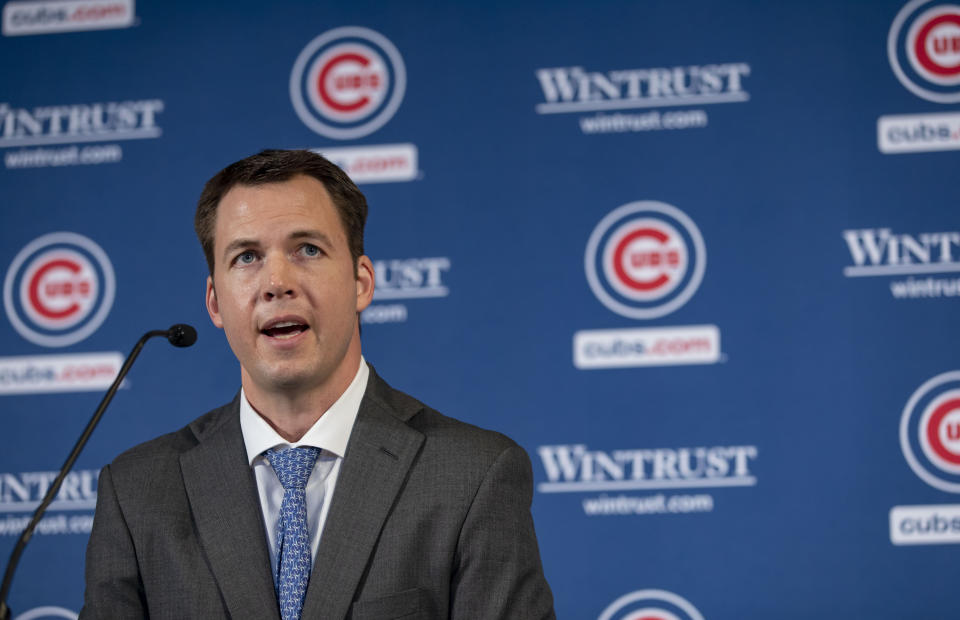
{"points": [[58, 289], [940, 431], [930, 432], [645, 259], [651, 605], [924, 49], [347, 82]]}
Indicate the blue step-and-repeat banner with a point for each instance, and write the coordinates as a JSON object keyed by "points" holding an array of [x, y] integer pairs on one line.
{"points": [[701, 259]]}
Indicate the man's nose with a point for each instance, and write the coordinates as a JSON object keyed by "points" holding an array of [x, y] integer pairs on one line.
{"points": [[278, 278]]}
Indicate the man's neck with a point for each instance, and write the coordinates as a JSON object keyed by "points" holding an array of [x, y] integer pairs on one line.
{"points": [[292, 412]]}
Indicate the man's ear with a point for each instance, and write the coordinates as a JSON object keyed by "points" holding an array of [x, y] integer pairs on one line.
{"points": [[213, 307], [365, 282]]}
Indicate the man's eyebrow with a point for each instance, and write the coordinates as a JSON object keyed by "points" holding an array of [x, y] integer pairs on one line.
{"points": [[312, 234], [238, 244]]}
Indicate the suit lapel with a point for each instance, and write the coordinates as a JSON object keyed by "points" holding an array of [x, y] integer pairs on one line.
{"points": [[379, 454], [224, 500]]}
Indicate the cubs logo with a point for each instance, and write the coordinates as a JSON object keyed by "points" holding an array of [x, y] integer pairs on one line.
{"points": [[347, 82], [924, 50], [930, 432], [47, 613], [645, 259], [58, 289], [650, 605]]}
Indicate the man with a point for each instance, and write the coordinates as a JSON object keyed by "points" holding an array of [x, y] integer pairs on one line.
{"points": [[319, 492]]}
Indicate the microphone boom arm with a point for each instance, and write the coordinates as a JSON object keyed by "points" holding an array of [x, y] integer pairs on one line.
{"points": [[180, 336]]}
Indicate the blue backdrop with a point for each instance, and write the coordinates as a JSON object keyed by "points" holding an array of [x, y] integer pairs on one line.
{"points": [[700, 259]]}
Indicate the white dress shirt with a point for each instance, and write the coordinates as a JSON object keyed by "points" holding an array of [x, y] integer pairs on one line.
{"points": [[330, 433]]}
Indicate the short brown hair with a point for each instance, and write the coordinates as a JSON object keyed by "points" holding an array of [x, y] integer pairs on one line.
{"points": [[276, 166]]}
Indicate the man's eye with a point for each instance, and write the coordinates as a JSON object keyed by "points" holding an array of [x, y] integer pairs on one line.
{"points": [[246, 257], [309, 249]]}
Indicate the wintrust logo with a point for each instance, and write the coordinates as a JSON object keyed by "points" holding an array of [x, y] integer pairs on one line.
{"points": [[411, 278], [93, 122], [21, 493], [574, 468], [577, 469], [75, 124], [923, 47], [611, 94], [46, 17], [405, 279], [879, 252], [574, 89]]}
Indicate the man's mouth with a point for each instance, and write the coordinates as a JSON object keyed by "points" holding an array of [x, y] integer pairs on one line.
{"points": [[284, 329]]}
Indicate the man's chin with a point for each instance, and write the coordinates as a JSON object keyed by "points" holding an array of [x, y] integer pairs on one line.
{"points": [[288, 380], [291, 382]]}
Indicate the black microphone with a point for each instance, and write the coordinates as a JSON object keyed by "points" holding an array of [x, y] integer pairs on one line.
{"points": [[182, 335], [179, 335]]}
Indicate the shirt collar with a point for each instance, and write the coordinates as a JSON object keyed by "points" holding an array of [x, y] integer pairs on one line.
{"points": [[331, 432]]}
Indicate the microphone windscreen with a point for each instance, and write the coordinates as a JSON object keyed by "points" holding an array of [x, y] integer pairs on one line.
{"points": [[182, 335]]}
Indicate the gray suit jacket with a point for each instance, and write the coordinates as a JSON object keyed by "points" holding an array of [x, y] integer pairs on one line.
{"points": [[430, 519]]}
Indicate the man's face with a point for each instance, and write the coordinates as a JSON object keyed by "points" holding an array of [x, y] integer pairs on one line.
{"points": [[284, 288]]}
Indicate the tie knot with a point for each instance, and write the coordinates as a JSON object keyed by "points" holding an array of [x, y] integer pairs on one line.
{"points": [[293, 465]]}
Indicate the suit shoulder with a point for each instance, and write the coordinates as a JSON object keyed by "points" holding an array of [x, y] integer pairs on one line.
{"points": [[440, 431], [442, 428], [172, 445]]}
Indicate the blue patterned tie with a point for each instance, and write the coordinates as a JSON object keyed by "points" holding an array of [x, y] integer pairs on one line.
{"points": [[293, 467]]}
